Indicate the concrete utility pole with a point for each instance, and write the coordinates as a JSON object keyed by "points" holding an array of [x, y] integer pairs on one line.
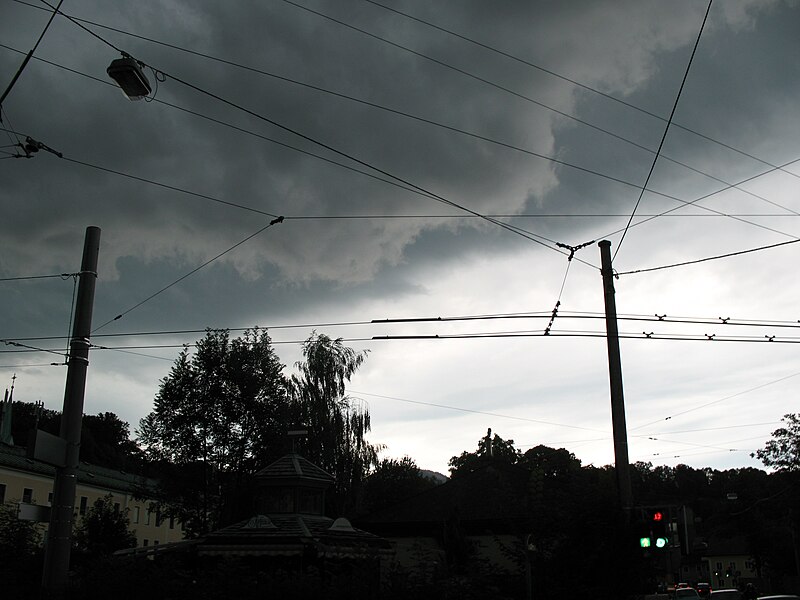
{"points": [[59, 534], [615, 378]]}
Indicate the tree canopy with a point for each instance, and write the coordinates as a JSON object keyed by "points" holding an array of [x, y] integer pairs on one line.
{"points": [[783, 451], [219, 415], [337, 423], [489, 446], [393, 480], [105, 438], [223, 412]]}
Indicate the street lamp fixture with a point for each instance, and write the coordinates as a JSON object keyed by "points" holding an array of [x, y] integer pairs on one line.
{"points": [[127, 72]]}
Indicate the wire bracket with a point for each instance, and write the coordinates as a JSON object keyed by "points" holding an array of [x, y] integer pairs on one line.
{"points": [[31, 146]]}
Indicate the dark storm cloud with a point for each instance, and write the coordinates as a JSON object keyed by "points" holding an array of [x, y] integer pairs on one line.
{"points": [[318, 269]]}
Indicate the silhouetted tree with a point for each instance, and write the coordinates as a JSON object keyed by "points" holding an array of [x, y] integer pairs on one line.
{"points": [[393, 481], [105, 438], [783, 454], [337, 423], [495, 447], [220, 415], [783, 451]]}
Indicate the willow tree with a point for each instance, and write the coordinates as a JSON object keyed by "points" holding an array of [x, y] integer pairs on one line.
{"points": [[218, 417], [337, 424]]}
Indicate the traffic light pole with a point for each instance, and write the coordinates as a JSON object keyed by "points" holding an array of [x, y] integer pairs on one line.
{"points": [[615, 379], [59, 534]]}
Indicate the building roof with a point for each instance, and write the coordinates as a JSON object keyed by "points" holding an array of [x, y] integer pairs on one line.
{"points": [[293, 468], [292, 535], [15, 458]]}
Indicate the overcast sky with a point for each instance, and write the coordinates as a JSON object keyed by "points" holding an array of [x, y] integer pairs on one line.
{"points": [[383, 136]]}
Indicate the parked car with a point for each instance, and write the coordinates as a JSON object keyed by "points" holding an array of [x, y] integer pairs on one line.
{"points": [[686, 592], [780, 597], [703, 589], [726, 594]]}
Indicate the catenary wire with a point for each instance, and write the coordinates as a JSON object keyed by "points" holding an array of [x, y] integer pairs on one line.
{"points": [[426, 193], [567, 115], [29, 55], [705, 338], [666, 130], [694, 202], [416, 117], [727, 321], [683, 412], [324, 90], [520, 231], [63, 276], [32, 365], [319, 143], [360, 161], [708, 258], [192, 272], [480, 412], [573, 82]]}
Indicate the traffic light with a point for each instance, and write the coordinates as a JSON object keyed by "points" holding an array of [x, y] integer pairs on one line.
{"points": [[659, 526], [655, 532]]}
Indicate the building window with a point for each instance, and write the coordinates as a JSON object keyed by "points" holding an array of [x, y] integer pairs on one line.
{"points": [[147, 517], [171, 522], [50, 498], [135, 514], [145, 542], [2, 493], [116, 508], [83, 504], [155, 542], [27, 495]]}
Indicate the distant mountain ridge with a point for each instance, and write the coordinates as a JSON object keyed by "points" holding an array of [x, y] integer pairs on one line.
{"points": [[435, 475]]}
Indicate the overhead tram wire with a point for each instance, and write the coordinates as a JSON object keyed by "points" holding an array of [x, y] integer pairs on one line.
{"points": [[523, 97], [720, 213], [18, 142], [526, 419], [192, 272], [324, 145], [571, 81], [27, 348], [572, 251], [62, 276], [520, 231], [708, 321], [704, 429], [33, 365], [416, 117], [344, 96], [480, 412], [707, 404], [28, 56], [666, 130], [175, 188], [706, 338], [225, 124], [708, 258]]}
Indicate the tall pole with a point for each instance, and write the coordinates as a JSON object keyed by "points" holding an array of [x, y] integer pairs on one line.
{"points": [[615, 379], [59, 534]]}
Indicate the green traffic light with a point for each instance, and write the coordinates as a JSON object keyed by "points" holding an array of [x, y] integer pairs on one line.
{"points": [[644, 542], [661, 542]]}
